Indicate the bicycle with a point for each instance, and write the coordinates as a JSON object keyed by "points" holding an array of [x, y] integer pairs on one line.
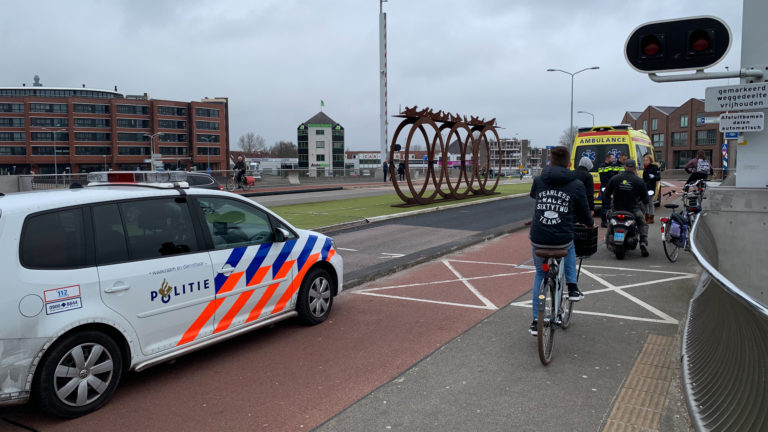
{"points": [[245, 183], [554, 308], [673, 241]]}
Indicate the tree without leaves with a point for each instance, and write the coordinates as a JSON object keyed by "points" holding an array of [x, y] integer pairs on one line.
{"points": [[251, 142], [283, 149], [566, 139]]}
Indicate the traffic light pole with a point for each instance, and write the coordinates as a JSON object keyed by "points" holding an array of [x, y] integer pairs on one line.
{"points": [[753, 146]]}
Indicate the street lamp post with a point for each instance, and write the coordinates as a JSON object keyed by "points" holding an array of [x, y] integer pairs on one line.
{"points": [[55, 162], [587, 112], [572, 74], [152, 149], [105, 162]]}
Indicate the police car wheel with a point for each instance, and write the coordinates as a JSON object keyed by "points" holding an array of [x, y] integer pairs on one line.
{"points": [[78, 374], [315, 297]]}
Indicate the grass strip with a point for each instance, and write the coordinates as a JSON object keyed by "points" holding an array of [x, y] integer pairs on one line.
{"points": [[319, 214]]}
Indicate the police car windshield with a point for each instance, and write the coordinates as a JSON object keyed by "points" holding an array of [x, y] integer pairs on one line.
{"points": [[597, 153]]}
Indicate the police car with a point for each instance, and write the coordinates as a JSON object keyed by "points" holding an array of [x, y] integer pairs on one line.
{"points": [[135, 269]]}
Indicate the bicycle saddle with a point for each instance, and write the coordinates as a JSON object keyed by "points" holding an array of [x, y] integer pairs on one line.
{"points": [[551, 253], [672, 206]]}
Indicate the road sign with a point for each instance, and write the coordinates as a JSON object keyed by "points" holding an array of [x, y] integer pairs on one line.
{"points": [[736, 97], [742, 122], [731, 135], [724, 147]]}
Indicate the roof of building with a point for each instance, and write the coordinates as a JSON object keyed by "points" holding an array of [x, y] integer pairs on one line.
{"points": [[665, 109], [634, 114], [321, 118]]}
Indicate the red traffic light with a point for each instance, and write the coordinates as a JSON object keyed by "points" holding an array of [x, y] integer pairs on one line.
{"points": [[679, 44]]}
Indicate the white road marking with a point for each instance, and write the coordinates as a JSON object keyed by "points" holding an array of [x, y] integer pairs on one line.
{"points": [[345, 249], [391, 255], [472, 289], [426, 300]]}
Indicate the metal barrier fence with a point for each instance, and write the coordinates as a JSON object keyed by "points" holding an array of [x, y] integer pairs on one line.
{"points": [[725, 346]]}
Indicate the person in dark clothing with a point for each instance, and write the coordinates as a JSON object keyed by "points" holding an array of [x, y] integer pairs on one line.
{"points": [[560, 199], [385, 166], [401, 171], [606, 170], [583, 173], [699, 168], [628, 193], [651, 177], [240, 168]]}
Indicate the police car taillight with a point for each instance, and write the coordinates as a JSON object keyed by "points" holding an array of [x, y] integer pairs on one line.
{"points": [[167, 179]]}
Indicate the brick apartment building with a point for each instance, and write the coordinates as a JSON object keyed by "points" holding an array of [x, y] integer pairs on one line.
{"points": [[679, 132], [93, 129]]}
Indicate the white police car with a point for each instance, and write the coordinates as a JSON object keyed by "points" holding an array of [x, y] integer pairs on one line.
{"points": [[136, 269]]}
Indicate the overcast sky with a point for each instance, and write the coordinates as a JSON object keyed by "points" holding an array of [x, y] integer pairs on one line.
{"points": [[277, 59]]}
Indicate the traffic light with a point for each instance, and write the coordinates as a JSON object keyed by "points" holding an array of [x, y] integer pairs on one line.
{"points": [[678, 44]]}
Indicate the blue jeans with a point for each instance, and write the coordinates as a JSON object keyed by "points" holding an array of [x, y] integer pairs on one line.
{"points": [[570, 273]]}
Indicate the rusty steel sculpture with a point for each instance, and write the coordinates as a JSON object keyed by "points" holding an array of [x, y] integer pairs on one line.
{"points": [[451, 180]]}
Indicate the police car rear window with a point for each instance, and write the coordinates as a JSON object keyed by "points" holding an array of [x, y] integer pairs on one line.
{"points": [[54, 240]]}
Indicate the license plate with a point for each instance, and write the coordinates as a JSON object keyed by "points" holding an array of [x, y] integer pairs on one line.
{"points": [[618, 236]]}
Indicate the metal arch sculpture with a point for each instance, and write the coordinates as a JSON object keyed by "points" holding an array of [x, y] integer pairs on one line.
{"points": [[471, 137]]}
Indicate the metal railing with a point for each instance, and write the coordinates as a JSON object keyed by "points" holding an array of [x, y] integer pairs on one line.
{"points": [[725, 345]]}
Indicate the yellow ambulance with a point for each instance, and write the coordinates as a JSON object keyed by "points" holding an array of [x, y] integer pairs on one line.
{"points": [[598, 141]]}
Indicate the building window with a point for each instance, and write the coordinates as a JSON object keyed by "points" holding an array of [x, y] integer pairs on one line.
{"points": [[658, 140], [93, 136], [49, 121], [16, 122], [320, 158], [207, 125], [679, 139], [48, 136], [170, 137], [208, 138], [171, 124], [92, 122], [133, 151], [49, 108], [212, 151], [173, 151], [132, 137], [682, 157], [132, 123], [133, 109], [319, 132], [645, 125], [340, 158], [12, 136], [338, 145], [48, 150], [303, 158], [655, 124], [683, 120], [93, 150], [90, 108], [320, 144], [171, 111], [11, 108], [657, 156], [206, 112], [706, 137], [13, 151]]}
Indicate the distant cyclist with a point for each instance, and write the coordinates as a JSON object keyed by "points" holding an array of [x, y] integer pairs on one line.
{"points": [[699, 168], [240, 169], [560, 198]]}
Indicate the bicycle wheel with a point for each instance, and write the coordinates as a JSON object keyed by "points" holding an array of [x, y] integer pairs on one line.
{"points": [[231, 184], [545, 321], [670, 249], [566, 308]]}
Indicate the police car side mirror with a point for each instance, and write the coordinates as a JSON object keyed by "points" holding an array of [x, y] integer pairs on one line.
{"points": [[281, 234]]}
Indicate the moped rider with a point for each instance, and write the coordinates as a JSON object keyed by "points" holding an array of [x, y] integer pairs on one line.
{"points": [[628, 193]]}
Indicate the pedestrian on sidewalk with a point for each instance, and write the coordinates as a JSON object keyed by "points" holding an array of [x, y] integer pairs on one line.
{"points": [[385, 166], [651, 176], [401, 171]]}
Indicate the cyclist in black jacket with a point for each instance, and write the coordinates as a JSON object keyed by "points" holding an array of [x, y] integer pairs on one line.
{"points": [[560, 198]]}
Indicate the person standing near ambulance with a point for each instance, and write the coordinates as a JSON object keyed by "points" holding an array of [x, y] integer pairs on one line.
{"points": [[606, 170]]}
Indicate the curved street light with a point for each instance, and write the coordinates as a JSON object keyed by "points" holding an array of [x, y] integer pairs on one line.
{"points": [[152, 144], [587, 112], [572, 74], [55, 163]]}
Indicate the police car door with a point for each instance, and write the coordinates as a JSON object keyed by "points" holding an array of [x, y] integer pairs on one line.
{"points": [[252, 272], [153, 270]]}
